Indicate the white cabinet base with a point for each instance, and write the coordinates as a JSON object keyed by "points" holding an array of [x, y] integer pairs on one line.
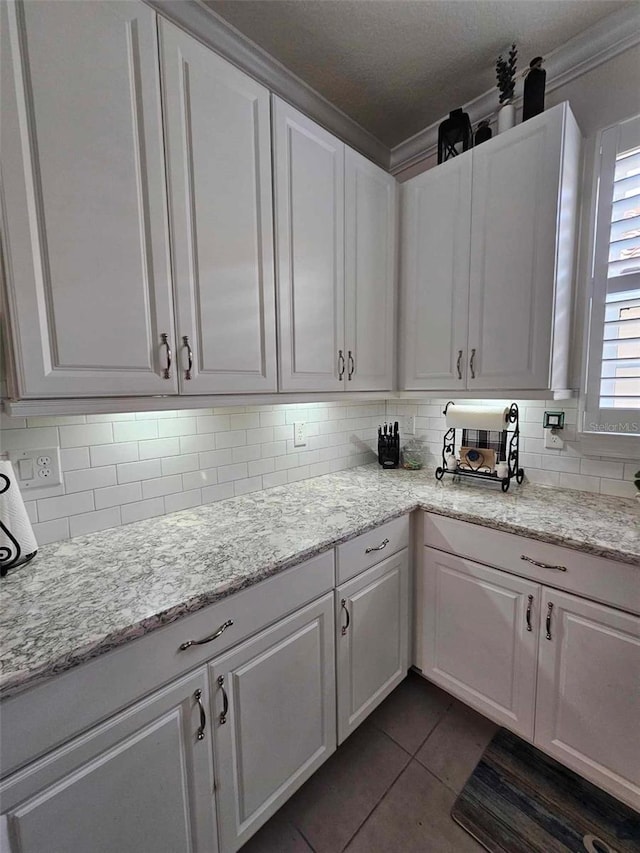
{"points": [[588, 701]]}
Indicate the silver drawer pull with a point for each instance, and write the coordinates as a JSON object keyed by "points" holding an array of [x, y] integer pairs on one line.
{"points": [[345, 627], [166, 372], [215, 636], [203, 717], [543, 565], [222, 719], [529, 606], [380, 547]]}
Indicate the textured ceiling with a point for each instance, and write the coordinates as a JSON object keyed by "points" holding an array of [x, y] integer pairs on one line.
{"points": [[397, 66]]}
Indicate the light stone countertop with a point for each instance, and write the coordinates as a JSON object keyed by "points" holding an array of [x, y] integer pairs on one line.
{"points": [[84, 596]]}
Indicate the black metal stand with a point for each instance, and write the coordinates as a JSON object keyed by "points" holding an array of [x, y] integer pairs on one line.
{"points": [[512, 454]]}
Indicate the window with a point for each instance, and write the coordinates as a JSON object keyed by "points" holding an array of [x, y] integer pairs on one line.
{"points": [[612, 402]]}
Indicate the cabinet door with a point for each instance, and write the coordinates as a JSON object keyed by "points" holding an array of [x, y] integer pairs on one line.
{"points": [[588, 704], [140, 781], [514, 228], [370, 272], [309, 204], [219, 167], [84, 200], [273, 717], [434, 270], [480, 637], [372, 628]]}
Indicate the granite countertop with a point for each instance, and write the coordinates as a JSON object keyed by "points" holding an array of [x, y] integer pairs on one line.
{"points": [[82, 597]]}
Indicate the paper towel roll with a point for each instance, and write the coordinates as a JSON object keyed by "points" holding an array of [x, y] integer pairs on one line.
{"points": [[477, 417], [17, 539]]}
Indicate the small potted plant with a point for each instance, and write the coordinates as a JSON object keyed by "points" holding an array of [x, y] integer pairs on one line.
{"points": [[506, 76]]}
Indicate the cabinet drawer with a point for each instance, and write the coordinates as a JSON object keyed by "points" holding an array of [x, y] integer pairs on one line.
{"points": [[597, 578], [116, 679], [365, 551]]}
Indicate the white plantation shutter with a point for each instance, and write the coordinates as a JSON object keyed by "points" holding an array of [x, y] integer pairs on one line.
{"points": [[613, 359]]}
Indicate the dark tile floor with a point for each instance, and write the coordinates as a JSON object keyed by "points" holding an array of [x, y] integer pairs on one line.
{"points": [[390, 787]]}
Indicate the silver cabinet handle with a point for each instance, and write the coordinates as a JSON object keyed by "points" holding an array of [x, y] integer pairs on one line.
{"points": [[185, 341], [215, 636], [345, 627], [529, 606], [222, 719], [352, 366], [340, 365], [166, 373], [542, 565], [203, 717], [549, 611], [472, 364], [459, 364], [379, 547]]}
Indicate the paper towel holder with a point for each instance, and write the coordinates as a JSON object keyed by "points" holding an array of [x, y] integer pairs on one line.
{"points": [[11, 555], [506, 443]]}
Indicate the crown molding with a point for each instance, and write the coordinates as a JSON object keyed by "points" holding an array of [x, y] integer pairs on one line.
{"points": [[203, 23], [589, 49]]}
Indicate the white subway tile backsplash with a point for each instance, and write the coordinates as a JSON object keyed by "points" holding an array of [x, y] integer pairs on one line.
{"points": [[180, 464], [73, 458], [118, 495], [112, 454], [217, 493], [232, 472], [90, 522], [65, 505], [142, 509], [245, 487], [159, 447], [51, 531], [176, 426], [83, 435], [129, 472], [183, 500], [169, 461], [89, 478], [32, 511], [161, 486], [135, 430], [31, 438]]}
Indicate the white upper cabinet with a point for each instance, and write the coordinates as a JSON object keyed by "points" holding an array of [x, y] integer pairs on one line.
{"points": [[370, 273], [488, 245], [217, 125], [309, 203], [85, 226], [436, 221], [522, 248]]}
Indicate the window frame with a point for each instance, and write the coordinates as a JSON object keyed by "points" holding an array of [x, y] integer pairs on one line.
{"points": [[604, 430]]}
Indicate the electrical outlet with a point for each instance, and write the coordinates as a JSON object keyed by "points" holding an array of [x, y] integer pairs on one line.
{"points": [[37, 471], [410, 425], [553, 439], [299, 434]]}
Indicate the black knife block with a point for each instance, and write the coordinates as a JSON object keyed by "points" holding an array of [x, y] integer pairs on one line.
{"points": [[389, 450]]}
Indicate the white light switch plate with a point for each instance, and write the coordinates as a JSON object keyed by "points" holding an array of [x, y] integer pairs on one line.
{"points": [[38, 472]]}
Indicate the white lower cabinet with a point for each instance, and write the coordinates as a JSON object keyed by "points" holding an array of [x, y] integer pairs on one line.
{"points": [[141, 781], [480, 637], [588, 703], [274, 721], [372, 624]]}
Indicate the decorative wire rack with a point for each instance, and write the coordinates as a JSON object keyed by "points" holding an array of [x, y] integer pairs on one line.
{"points": [[506, 444]]}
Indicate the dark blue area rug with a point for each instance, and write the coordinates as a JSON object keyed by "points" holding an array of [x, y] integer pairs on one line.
{"points": [[518, 800]]}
